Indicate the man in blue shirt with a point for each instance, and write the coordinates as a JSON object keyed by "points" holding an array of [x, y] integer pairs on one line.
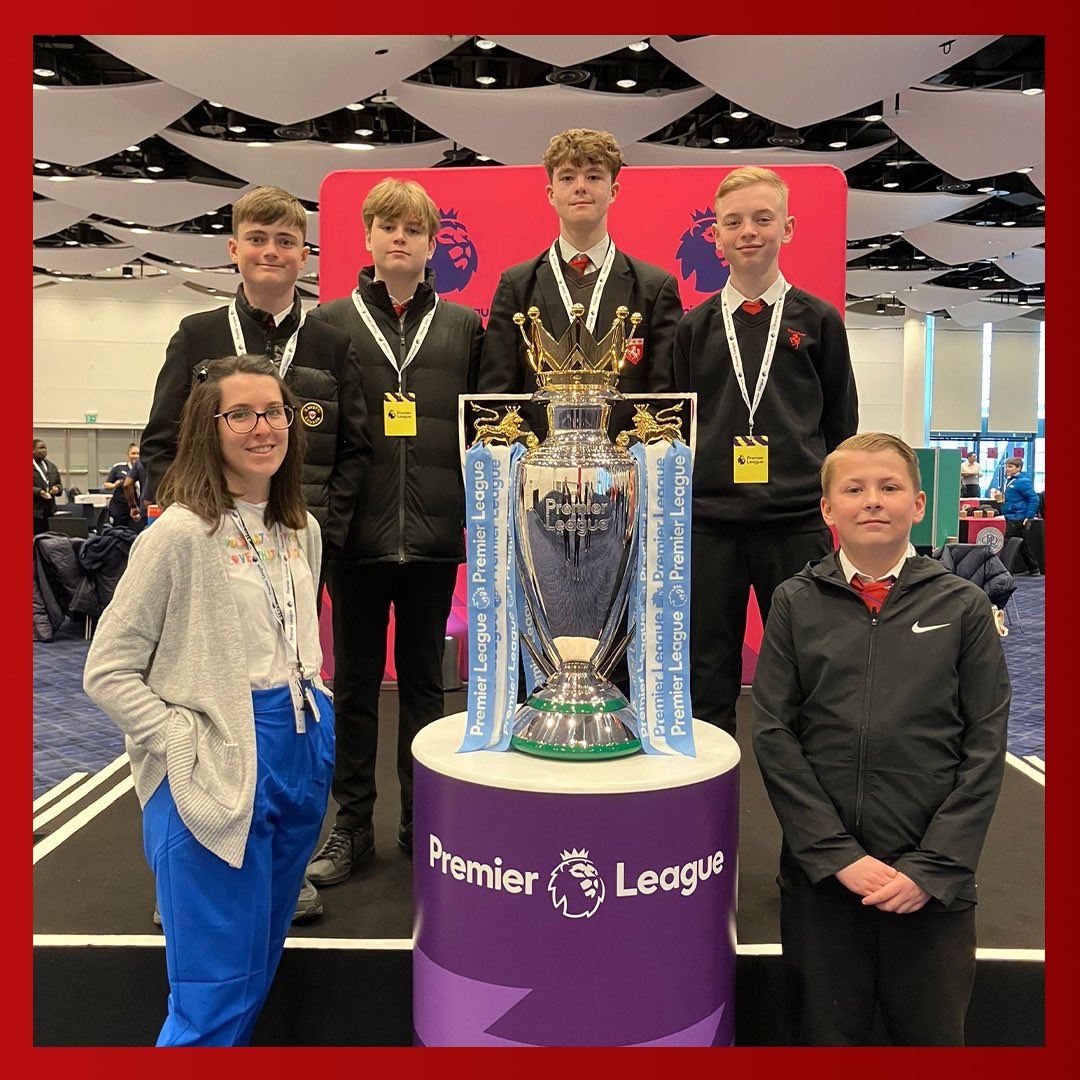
{"points": [[1020, 507], [119, 513]]}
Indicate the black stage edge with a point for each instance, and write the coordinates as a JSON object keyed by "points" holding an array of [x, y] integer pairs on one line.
{"points": [[346, 979]]}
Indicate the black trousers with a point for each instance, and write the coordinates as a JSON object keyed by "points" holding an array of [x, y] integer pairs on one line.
{"points": [[41, 525], [421, 593], [724, 567], [849, 960], [1017, 528], [969, 491]]}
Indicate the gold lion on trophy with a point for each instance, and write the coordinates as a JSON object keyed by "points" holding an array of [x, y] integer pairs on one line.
{"points": [[649, 428], [508, 430]]}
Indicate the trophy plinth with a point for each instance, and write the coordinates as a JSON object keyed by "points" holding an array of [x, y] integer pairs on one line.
{"points": [[575, 527]]}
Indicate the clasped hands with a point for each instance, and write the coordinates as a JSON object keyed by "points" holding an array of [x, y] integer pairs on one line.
{"points": [[882, 886]]}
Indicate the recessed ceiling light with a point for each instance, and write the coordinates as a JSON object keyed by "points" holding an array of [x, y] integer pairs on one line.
{"points": [[1026, 169], [141, 231], [873, 117], [143, 180], [739, 114], [985, 190], [155, 168], [721, 139], [626, 83], [237, 129], [1028, 91], [65, 279], [1008, 223], [638, 46], [894, 267], [485, 80], [42, 165], [364, 132], [133, 149], [215, 104], [71, 243], [1041, 207], [45, 73], [839, 144], [354, 146], [355, 106], [217, 225], [482, 157], [258, 144], [59, 179], [891, 183], [919, 258], [896, 234], [485, 43]]}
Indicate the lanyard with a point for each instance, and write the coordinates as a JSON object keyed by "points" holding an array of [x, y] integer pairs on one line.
{"points": [[736, 354], [598, 288], [287, 625], [41, 469], [380, 339], [241, 346]]}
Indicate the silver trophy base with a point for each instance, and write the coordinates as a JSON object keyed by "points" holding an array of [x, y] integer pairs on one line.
{"points": [[577, 715]]}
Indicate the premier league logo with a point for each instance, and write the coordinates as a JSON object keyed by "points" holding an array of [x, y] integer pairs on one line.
{"points": [[576, 887], [697, 254], [454, 261]]}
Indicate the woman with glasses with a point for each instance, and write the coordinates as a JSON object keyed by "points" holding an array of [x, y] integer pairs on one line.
{"points": [[208, 659]]}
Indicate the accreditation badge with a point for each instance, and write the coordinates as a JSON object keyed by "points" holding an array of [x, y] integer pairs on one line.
{"points": [[399, 414], [750, 454]]}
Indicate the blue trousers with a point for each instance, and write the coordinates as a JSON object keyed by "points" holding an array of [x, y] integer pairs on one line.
{"points": [[224, 926]]}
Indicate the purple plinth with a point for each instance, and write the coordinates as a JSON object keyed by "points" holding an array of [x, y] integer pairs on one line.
{"points": [[574, 903]]}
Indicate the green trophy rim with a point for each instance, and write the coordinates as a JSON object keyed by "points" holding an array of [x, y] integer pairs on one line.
{"points": [[528, 746], [542, 705]]}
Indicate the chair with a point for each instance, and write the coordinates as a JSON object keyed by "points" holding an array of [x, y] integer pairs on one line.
{"points": [[69, 524], [978, 564], [1010, 552]]}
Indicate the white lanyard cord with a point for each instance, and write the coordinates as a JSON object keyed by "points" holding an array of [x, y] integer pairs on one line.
{"points": [[736, 354], [44, 474], [380, 339], [287, 625], [598, 288], [241, 346]]}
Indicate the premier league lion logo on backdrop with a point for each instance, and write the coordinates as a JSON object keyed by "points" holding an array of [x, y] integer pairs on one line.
{"points": [[576, 887], [697, 254], [454, 261]]}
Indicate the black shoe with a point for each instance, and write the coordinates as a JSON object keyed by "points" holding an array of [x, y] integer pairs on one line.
{"points": [[404, 837], [343, 852], [309, 906]]}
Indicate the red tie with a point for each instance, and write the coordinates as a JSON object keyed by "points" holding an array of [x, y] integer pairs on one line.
{"points": [[752, 307], [399, 309], [580, 263], [873, 592]]}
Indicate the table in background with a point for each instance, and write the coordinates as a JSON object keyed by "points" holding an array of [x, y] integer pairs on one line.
{"points": [[980, 530]]}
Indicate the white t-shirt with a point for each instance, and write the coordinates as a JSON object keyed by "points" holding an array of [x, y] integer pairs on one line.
{"points": [[269, 661]]}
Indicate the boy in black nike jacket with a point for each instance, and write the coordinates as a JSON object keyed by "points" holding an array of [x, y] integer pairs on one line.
{"points": [[881, 701]]}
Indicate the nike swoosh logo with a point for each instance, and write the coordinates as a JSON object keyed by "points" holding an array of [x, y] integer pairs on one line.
{"points": [[917, 629]]}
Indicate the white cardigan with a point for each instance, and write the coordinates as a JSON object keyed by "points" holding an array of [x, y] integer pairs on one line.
{"points": [[169, 667]]}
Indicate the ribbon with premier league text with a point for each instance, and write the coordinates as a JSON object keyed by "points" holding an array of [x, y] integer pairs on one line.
{"points": [[659, 652], [493, 595]]}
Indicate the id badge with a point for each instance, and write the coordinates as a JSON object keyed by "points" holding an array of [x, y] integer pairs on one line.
{"points": [[312, 702], [399, 414], [297, 693], [750, 456]]}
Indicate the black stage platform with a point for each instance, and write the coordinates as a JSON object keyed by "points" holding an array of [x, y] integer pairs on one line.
{"points": [[345, 979]]}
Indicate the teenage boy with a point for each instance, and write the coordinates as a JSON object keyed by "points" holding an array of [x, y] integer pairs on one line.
{"points": [[881, 702], [582, 266], [406, 539], [769, 361], [315, 359], [1019, 509], [119, 510]]}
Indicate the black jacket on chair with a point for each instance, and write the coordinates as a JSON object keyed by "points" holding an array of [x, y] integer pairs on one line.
{"points": [[977, 563]]}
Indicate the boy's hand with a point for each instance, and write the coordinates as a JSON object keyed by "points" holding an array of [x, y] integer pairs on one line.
{"points": [[865, 876], [900, 895]]}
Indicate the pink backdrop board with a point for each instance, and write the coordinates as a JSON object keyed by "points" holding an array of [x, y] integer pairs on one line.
{"points": [[495, 217]]}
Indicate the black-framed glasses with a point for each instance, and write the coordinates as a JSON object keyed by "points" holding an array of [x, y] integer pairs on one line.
{"points": [[244, 420]]}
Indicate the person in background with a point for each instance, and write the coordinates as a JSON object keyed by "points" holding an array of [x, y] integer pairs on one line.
{"points": [[882, 752], [1019, 508], [208, 659], [119, 507], [406, 537], [970, 471], [582, 266], [770, 364], [47, 487], [315, 359]]}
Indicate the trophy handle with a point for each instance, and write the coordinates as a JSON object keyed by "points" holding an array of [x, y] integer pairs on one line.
{"points": [[617, 652]]}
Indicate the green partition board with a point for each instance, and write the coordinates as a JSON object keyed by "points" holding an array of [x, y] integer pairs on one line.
{"points": [[940, 471]]}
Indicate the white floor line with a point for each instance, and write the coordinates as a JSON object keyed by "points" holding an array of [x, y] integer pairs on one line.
{"points": [[69, 828], [58, 789], [76, 796], [1026, 769], [1034, 759]]}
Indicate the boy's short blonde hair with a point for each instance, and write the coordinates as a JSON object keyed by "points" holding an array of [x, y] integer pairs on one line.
{"points": [[401, 200], [752, 174], [267, 206], [871, 442], [583, 146]]}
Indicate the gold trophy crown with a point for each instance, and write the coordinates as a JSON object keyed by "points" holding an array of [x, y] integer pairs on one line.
{"points": [[577, 358]]}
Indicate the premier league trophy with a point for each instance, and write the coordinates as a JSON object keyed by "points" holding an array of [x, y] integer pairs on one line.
{"points": [[575, 514]]}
